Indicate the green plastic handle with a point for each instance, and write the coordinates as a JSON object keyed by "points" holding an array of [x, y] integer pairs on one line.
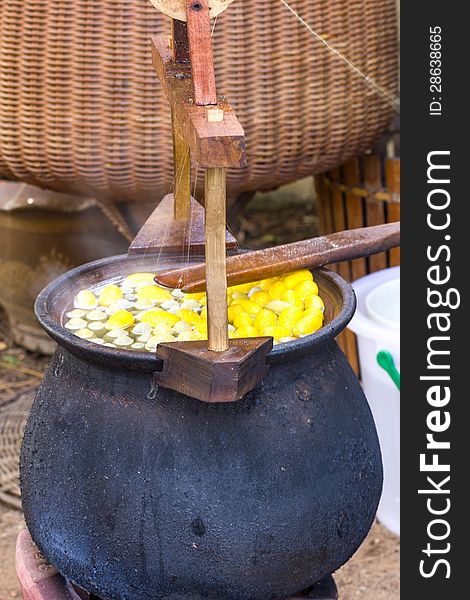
{"points": [[385, 360]]}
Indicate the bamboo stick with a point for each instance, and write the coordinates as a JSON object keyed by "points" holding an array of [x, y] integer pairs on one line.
{"points": [[216, 276]]}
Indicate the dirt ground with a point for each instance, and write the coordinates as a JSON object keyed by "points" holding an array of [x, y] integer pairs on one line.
{"points": [[373, 573]]}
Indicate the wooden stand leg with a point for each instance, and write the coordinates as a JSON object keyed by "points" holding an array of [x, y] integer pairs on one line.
{"points": [[182, 174], [216, 276]]}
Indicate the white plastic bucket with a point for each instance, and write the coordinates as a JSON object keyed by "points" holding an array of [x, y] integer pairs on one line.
{"points": [[376, 324]]}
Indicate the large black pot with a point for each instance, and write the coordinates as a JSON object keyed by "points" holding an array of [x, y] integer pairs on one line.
{"points": [[139, 493]]}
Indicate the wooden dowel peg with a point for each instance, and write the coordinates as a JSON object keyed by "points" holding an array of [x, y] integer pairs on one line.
{"points": [[215, 115], [216, 277], [182, 173]]}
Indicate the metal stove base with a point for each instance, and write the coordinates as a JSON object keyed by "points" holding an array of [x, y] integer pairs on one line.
{"points": [[40, 581]]}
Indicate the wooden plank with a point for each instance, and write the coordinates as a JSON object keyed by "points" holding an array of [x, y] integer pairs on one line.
{"points": [[339, 222], [392, 175], [325, 209], [342, 343], [213, 144], [351, 350], [354, 213], [326, 217], [346, 339], [358, 267], [215, 200], [200, 52], [323, 198], [375, 211], [181, 173]]}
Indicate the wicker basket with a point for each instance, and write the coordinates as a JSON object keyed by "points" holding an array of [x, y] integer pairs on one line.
{"points": [[363, 192], [81, 109]]}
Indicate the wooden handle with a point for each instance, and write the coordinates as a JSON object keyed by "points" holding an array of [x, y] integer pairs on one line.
{"points": [[307, 254]]}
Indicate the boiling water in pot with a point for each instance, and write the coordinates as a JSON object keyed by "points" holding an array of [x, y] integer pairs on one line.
{"points": [[134, 313]]}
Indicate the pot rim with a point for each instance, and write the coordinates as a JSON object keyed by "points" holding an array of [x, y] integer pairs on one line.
{"points": [[147, 360]]}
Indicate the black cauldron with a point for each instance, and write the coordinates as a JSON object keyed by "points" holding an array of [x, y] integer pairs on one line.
{"points": [[140, 493]]}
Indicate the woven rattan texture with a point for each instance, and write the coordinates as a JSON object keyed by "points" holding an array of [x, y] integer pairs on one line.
{"points": [[81, 108], [13, 415]]}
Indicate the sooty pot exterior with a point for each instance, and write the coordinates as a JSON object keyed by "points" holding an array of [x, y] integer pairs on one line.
{"points": [[139, 493]]}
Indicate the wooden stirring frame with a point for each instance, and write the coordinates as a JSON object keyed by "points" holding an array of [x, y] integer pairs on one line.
{"points": [[205, 128]]}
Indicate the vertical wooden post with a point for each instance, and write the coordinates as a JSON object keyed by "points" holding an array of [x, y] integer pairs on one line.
{"points": [[392, 175], [375, 209], [181, 153], [181, 173], [216, 275], [179, 34], [338, 221], [354, 212], [200, 51]]}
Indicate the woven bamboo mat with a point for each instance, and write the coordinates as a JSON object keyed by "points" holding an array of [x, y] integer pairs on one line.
{"points": [[13, 415], [19, 377]]}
